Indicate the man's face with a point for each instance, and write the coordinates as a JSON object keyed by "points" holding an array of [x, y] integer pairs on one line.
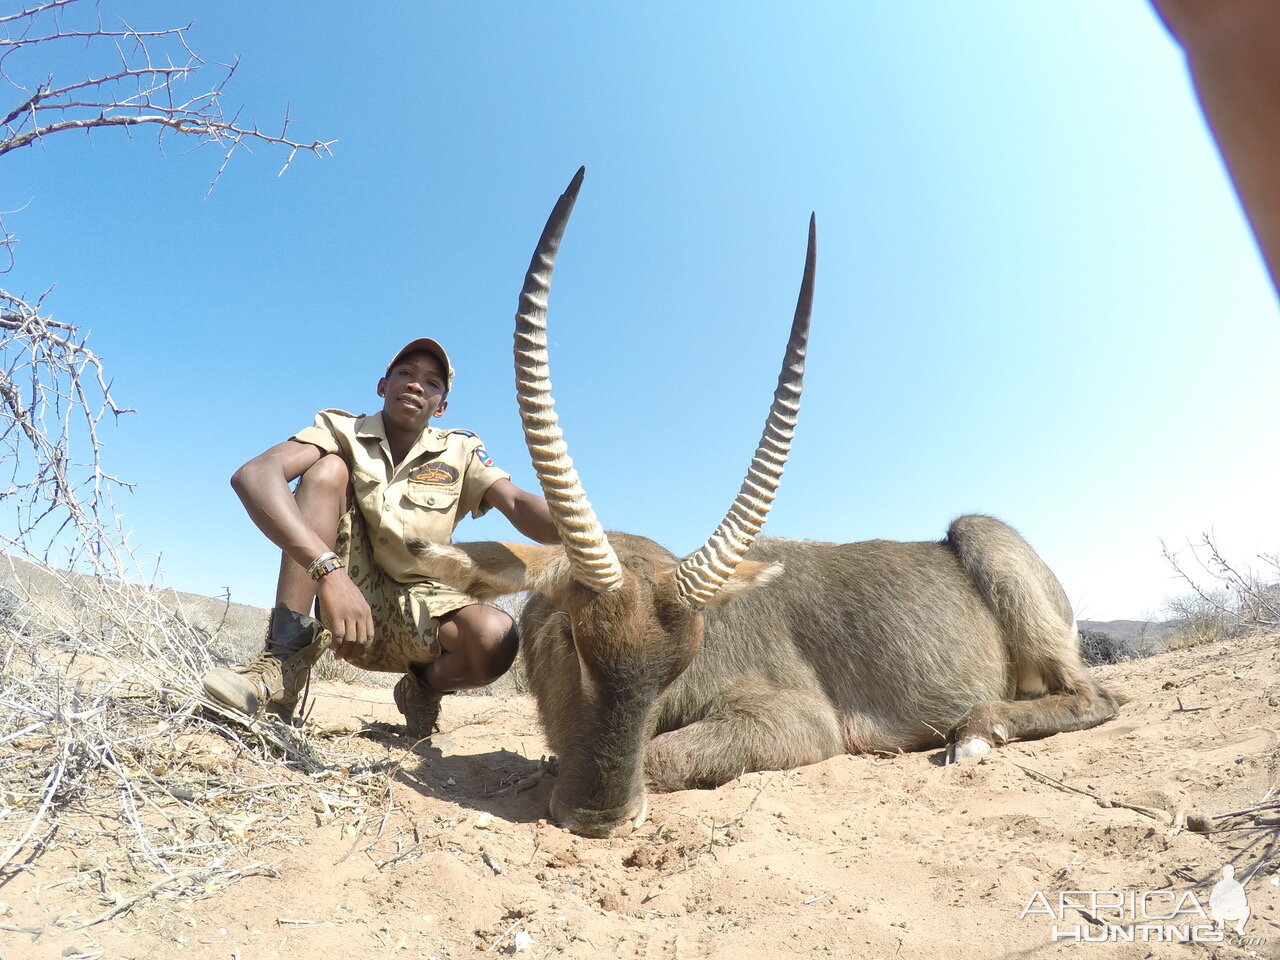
{"points": [[413, 391]]}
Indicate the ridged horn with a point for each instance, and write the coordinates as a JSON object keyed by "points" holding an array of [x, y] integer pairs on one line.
{"points": [[706, 570], [592, 559]]}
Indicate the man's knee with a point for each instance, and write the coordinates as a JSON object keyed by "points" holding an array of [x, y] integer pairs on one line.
{"points": [[329, 476], [484, 634]]}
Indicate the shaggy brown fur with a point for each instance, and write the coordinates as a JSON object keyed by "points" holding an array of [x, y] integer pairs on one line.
{"points": [[813, 649]]}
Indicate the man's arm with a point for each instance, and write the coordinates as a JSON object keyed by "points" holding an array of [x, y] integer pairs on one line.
{"points": [[263, 487], [1233, 51], [527, 512]]}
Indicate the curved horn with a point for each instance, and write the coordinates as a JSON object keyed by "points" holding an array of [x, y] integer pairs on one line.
{"points": [[594, 563], [705, 571]]}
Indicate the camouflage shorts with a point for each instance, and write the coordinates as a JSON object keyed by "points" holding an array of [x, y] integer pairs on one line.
{"points": [[406, 616]]}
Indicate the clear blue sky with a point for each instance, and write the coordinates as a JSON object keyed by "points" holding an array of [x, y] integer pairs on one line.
{"points": [[1036, 296]]}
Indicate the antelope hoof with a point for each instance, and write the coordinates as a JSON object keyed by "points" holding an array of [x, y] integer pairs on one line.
{"points": [[964, 749]]}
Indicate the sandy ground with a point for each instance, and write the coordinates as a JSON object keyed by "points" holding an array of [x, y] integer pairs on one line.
{"points": [[867, 857]]}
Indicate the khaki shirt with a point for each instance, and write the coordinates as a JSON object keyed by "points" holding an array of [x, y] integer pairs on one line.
{"points": [[444, 476]]}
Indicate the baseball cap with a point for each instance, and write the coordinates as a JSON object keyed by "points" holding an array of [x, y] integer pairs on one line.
{"points": [[425, 345]]}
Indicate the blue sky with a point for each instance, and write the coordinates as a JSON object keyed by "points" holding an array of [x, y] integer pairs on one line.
{"points": [[1036, 295]]}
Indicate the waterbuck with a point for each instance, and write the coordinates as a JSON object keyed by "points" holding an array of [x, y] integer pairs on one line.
{"points": [[760, 654]]}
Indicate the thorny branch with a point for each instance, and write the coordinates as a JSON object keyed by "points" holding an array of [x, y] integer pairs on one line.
{"points": [[104, 735], [54, 393], [1230, 599], [135, 77], [102, 728], [53, 396]]}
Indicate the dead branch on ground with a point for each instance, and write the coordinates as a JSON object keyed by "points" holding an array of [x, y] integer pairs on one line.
{"points": [[105, 741]]}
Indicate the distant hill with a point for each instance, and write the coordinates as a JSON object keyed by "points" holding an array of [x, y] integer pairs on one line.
{"points": [[1130, 630], [31, 592], [1111, 641], [236, 629]]}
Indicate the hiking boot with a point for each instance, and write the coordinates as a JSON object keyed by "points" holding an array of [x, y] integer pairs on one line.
{"points": [[276, 677], [419, 702]]}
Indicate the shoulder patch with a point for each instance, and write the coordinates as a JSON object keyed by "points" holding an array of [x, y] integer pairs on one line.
{"points": [[437, 473], [483, 455]]}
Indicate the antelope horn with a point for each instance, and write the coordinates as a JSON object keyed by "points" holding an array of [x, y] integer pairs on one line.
{"points": [[706, 570], [592, 559]]}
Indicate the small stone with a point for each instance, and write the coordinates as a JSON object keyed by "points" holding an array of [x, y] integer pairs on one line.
{"points": [[1199, 823]]}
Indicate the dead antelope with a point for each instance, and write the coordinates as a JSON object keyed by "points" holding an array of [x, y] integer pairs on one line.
{"points": [[760, 654]]}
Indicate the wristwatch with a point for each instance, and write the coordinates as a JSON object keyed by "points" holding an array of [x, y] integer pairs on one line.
{"points": [[324, 565]]}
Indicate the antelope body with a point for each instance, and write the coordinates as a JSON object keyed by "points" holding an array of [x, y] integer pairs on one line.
{"points": [[652, 671]]}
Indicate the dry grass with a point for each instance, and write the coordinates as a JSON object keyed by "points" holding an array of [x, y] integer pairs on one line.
{"points": [[1226, 599], [106, 743]]}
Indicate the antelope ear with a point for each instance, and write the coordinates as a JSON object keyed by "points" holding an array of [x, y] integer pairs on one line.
{"points": [[489, 569], [749, 575]]}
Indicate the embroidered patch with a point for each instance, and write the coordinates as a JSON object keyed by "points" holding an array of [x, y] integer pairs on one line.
{"points": [[483, 454], [437, 473]]}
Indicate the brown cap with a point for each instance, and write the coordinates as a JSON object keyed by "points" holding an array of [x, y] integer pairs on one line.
{"points": [[425, 345]]}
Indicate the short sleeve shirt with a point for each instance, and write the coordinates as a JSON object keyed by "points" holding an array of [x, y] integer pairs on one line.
{"points": [[444, 476]]}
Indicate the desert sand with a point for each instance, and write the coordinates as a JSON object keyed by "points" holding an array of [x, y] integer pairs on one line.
{"points": [[859, 856]]}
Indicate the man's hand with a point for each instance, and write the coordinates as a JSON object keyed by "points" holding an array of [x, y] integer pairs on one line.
{"points": [[1197, 19], [1233, 49], [345, 611]]}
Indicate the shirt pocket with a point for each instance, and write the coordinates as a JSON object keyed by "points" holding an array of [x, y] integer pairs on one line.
{"points": [[429, 511], [365, 484]]}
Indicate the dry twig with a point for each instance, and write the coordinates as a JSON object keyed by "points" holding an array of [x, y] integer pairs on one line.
{"points": [[1232, 600], [102, 722], [101, 718], [54, 393], [1100, 800]]}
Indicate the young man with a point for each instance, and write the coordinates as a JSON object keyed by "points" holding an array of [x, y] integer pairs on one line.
{"points": [[369, 486]]}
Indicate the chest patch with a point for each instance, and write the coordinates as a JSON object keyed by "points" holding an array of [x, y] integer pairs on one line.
{"points": [[437, 473]]}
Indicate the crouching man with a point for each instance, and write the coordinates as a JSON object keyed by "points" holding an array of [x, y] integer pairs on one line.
{"points": [[369, 485]]}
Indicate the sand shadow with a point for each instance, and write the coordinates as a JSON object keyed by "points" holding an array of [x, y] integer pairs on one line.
{"points": [[501, 782]]}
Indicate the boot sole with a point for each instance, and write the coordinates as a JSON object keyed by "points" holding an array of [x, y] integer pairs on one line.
{"points": [[231, 690]]}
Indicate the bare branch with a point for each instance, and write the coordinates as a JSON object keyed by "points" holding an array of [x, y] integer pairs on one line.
{"points": [[215, 132], [128, 752], [162, 76], [34, 12], [140, 88], [54, 393], [1225, 600]]}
